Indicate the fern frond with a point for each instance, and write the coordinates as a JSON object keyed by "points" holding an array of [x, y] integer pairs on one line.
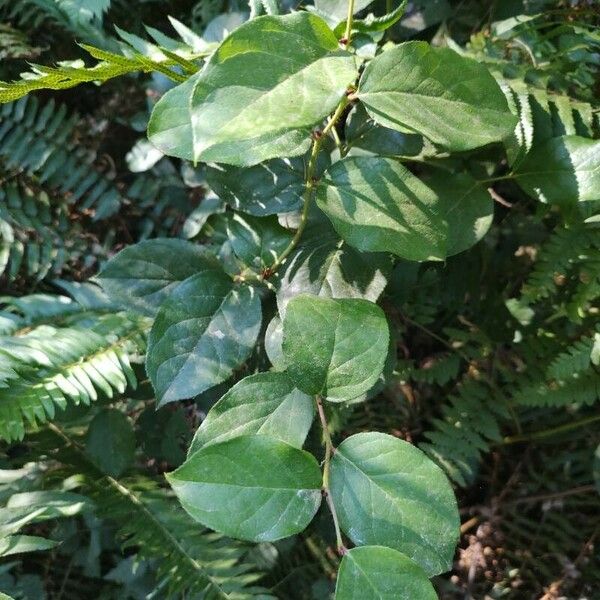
{"points": [[566, 250], [579, 357], [437, 370], [190, 559], [543, 115], [582, 388], [467, 427], [48, 366], [162, 198], [138, 56], [540, 537], [37, 140], [38, 238], [81, 18], [35, 309]]}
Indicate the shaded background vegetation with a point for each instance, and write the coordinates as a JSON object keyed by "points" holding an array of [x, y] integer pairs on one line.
{"points": [[498, 349]]}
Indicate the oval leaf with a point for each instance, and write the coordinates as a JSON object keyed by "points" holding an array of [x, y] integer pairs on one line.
{"points": [[253, 487], [378, 573], [387, 492], [265, 404], [376, 204], [563, 170], [140, 277], [452, 100], [254, 101], [273, 342], [334, 348], [269, 188], [110, 442], [205, 330]]}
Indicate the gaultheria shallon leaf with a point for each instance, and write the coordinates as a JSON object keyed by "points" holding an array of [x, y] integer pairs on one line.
{"points": [[141, 276], [376, 205], [258, 95], [251, 487], [378, 573], [563, 170], [452, 100], [202, 332], [334, 348], [388, 493], [265, 404]]}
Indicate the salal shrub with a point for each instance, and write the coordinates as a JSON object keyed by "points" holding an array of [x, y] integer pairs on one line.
{"points": [[310, 139]]}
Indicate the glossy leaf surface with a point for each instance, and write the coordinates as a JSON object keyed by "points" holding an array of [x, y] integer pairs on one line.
{"points": [[272, 187], [564, 170], [257, 242], [265, 404], [205, 330], [379, 573], [141, 276], [389, 493], [323, 265], [334, 348], [258, 95], [253, 487], [376, 204], [454, 101]]}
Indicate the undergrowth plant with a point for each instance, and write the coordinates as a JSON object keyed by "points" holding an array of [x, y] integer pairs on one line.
{"points": [[353, 181]]}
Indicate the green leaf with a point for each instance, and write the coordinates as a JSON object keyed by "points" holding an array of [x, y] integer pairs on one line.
{"points": [[423, 15], [272, 187], [378, 573], [257, 242], [205, 330], [323, 265], [338, 9], [452, 100], [252, 487], [110, 442], [164, 433], [196, 220], [334, 348], [387, 492], [365, 137], [273, 342], [18, 544], [265, 404], [254, 101], [376, 204], [564, 170], [373, 24], [140, 277]]}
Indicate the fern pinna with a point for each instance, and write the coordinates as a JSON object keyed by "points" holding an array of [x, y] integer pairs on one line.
{"points": [[56, 350]]}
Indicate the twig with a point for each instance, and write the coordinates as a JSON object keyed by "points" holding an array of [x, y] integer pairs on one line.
{"points": [[329, 450], [498, 198]]}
